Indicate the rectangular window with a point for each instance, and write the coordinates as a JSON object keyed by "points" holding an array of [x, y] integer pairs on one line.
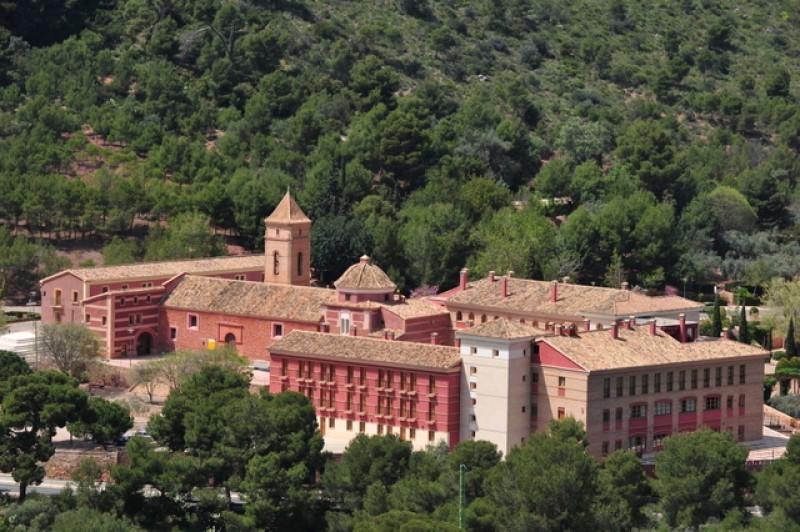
{"points": [[681, 380], [694, 379], [606, 415], [657, 383], [620, 385], [349, 425], [349, 401], [718, 376], [380, 429], [618, 445], [706, 377], [362, 376], [618, 415], [349, 374], [431, 436], [193, 321], [362, 402], [645, 384], [688, 406], [606, 387], [284, 367], [473, 385], [741, 401], [473, 370], [713, 403], [412, 433], [636, 442], [74, 296], [638, 411], [173, 331], [412, 382], [431, 385], [104, 320], [742, 372], [402, 380], [730, 375], [102, 290], [605, 448], [473, 350], [277, 330], [332, 423], [432, 411], [729, 402], [632, 385], [669, 381], [88, 318], [663, 408], [562, 381], [402, 434], [495, 353], [362, 427], [561, 413], [740, 433]]}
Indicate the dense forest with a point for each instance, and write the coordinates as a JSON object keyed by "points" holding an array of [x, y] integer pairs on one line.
{"points": [[604, 140]]}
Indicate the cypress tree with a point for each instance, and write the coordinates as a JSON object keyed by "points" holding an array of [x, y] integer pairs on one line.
{"points": [[789, 344], [716, 318], [744, 330]]}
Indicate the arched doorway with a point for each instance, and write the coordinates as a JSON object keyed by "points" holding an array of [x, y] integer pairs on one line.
{"points": [[144, 344], [230, 340]]}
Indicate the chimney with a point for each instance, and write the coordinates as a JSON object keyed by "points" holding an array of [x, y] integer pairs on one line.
{"points": [[463, 277], [554, 292], [457, 342], [652, 327], [491, 276], [504, 287], [625, 285], [353, 330], [614, 330], [587, 325], [434, 338], [682, 325], [726, 333], [631, 322]]}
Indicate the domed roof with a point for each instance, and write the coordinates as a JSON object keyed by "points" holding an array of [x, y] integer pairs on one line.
{"points": [[364, 276]]}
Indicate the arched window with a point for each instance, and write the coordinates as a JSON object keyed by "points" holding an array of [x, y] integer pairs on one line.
{"points": [[230, 340], [471, 317], [275, 263], [300, 263], [483, 318], [458, 316]]}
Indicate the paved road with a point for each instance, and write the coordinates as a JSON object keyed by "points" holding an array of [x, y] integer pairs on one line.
{"points": [[48, 487]]}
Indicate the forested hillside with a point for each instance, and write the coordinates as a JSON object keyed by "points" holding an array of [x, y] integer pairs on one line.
{"points": [[603, 139]]}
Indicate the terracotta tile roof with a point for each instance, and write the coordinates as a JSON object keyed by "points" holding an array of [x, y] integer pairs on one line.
{"points": [[168, 268], [503, 328], [597, 351], [366, 349], [262, 300], [287, 212], [525, 295], [364, 276], [414, 308]]}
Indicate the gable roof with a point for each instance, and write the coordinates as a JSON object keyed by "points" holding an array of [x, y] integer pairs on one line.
{"points": [[364, 275], [166, 269], [248, 298], [596, 350], [525, 295], [503, 328], [366, 349], [287, 212]]}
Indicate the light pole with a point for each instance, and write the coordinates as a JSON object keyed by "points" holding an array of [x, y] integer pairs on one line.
{"points": [[684, 287], [130, 346], [31, 304]]}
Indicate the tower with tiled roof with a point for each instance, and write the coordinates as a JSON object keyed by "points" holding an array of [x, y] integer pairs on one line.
{"points": [[287, 244]]}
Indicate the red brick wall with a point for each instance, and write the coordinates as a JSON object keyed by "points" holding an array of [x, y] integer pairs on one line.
{"points": [[446, 400], [256, 333]]}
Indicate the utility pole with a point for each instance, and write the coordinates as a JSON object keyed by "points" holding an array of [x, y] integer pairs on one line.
{"points": [[462, 499]]}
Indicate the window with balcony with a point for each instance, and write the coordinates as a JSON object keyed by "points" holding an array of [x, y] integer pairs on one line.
{"points": [[638, 411], [663, 408], [688, 405], [713, 402]]}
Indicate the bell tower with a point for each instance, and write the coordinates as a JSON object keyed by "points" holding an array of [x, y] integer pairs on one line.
{"points": [[287, 244]]}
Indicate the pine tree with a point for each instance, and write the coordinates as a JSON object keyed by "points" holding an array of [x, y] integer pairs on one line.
{"points": [[716, 318], [789, 344], [744, 330]]}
